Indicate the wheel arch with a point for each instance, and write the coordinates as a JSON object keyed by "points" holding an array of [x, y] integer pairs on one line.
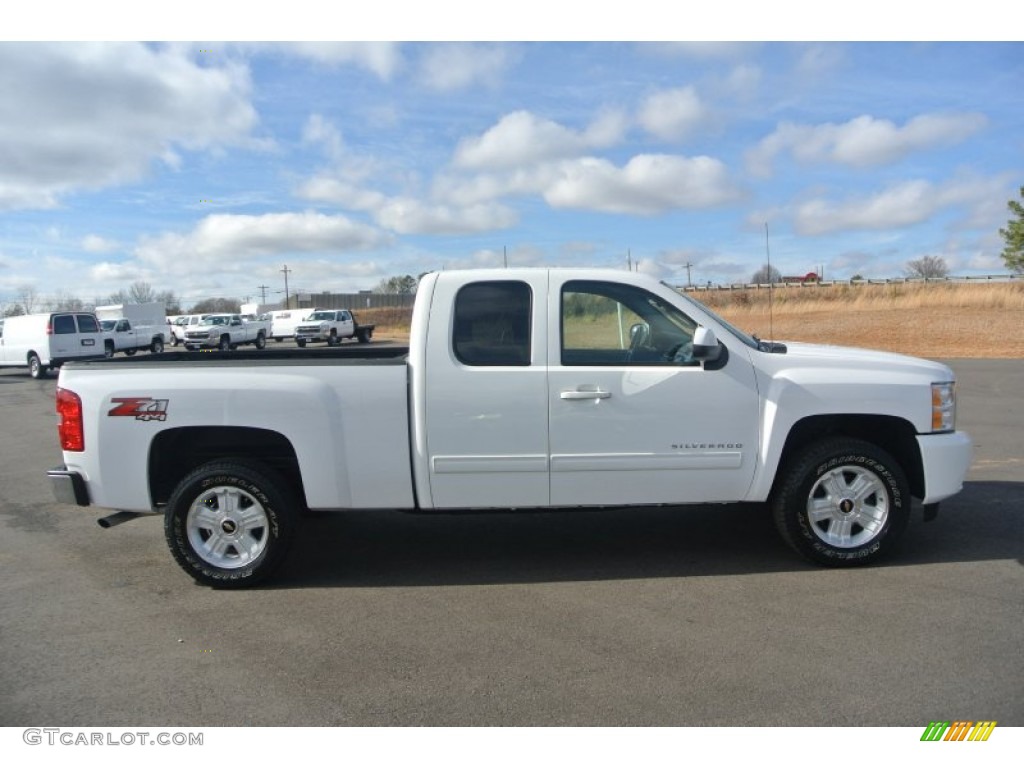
{"points": [[174, 453], [894, 435]]}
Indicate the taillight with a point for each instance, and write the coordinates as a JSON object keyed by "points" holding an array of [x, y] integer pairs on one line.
{"points": [[70, 428], [49, 328]]}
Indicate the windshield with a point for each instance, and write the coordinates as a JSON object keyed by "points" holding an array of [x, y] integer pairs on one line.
{"points": [[743, 336]]}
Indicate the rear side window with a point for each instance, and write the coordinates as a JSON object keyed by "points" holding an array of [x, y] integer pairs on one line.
{"points": [[492, 323], [64, 324], [88, 324]]}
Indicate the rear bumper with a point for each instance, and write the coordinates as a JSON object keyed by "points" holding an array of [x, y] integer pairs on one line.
{"points": [[68, 487], [945, 460]]}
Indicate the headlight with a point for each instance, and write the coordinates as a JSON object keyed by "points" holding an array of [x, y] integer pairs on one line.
{"points": [[944, 406]]}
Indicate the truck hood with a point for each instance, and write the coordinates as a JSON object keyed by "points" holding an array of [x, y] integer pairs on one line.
{"points": [[801, 354]]}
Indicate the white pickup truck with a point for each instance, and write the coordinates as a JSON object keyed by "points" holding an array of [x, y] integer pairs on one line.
{"points": [[520, 389], [122, 336], [332, 326], [224, 332]]}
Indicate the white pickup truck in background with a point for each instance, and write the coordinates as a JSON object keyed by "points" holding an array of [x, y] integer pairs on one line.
{"points": [[332, 326], [130, 327], [225, 332], [520, 389]]}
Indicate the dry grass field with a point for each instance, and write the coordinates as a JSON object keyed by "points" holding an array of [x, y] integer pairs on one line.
{"points": [[945, 320]]}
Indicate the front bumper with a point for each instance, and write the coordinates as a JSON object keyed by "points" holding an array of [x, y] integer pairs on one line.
{"points": [[68, 487], [945, 460]]}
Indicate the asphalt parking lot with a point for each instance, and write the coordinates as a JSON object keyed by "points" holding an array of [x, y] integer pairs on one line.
{"points": [[672, 617]]}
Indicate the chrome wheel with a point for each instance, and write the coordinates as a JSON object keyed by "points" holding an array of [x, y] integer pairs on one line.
{"points": [[227, 527], [848, 507]]}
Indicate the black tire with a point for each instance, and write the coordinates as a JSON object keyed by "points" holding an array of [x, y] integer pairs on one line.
{"points": [[333, 340], [131, 351], [237, 544], [108, 349], [174, 340], [363, 336], [36, 369], [860, 501], [261, 341], [301, 342], [225, 344], [157, 346]]}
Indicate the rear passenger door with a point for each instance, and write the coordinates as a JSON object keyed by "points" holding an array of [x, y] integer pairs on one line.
{"points": [[486, 394]]}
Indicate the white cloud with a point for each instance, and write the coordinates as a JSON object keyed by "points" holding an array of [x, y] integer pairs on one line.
{"points": [[454, 66], [646, 185], [522, 138], [864, 141], [232, 239], [673, 114], [87, 116], [383, 59], [97, 244], [410, 216], [900, 205]]}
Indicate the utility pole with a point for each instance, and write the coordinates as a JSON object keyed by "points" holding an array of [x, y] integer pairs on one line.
{"points": [[263, 294], [689, 282], [629, 260], [504, 250], [287, 298]]}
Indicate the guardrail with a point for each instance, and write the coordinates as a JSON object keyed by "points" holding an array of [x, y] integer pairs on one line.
{"points": [[810, 284]]}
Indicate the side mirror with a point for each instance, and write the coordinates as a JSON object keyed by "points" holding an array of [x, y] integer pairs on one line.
{"points": [[705, 345], [639, 333]]}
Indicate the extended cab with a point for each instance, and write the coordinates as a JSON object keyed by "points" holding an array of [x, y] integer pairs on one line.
{"points": [[224, 332], [520, 389]]}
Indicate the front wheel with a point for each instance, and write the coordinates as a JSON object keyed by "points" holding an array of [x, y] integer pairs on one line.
{"points": [[301, 342], [842, 502], [261, 341], [157, 346], [225, 344], [230, 523]]}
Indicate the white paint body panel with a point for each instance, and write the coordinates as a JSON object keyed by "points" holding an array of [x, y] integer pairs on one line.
{"points": [[438, 434]]}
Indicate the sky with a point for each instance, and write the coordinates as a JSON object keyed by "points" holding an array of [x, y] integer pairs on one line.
{"points": [[206, 168]]}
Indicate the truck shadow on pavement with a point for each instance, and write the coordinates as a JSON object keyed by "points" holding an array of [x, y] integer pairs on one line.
{"points": [[374, 549]]}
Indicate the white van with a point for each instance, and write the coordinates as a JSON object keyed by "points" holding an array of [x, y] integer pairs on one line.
{"points": [[283, 322], [47, 340]]}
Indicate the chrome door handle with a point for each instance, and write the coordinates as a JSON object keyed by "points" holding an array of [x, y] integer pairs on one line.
{"points": [[584, 394]]}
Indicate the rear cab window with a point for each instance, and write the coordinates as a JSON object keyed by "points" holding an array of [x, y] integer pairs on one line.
{"points": [[492, 323]]}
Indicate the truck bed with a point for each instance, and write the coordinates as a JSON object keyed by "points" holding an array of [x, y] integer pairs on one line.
{"points": [[344, 355]]}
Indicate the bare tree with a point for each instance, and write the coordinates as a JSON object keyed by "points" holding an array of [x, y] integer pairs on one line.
{"points": [[28, 296], [65, 301], [170, 301], [766, 274], [927, 266], [141, 292]]}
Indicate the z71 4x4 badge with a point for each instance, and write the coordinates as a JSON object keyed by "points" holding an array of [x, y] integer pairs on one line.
{"points": [[142, 408]]}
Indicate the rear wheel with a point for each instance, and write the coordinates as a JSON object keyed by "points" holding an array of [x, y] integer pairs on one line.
{"points": [[261, 341], [36, 369], [842, 502], [108, 349], [157, 346], [131, 351], [230, 523]]}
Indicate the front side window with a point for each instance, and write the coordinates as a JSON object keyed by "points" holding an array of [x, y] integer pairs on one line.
{"points": [[492, 323], [614, 324]]}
